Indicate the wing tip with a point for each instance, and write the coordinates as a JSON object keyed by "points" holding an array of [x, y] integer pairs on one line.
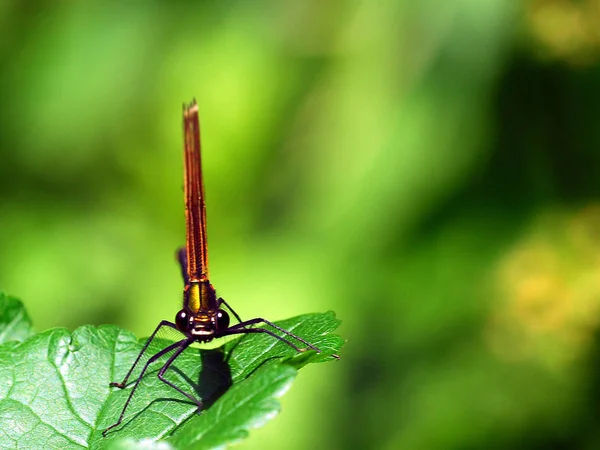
{"points": [[191, 108]]}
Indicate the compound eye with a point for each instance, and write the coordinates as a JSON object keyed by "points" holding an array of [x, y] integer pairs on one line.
{"points": [[222, 320], [182, 321]]}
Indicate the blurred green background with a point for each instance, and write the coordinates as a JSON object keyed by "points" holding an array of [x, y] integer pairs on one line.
{"points": [[429, 170]]}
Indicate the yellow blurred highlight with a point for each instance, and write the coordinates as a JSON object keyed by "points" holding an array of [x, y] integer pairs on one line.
{"points": [[548, 291], [567, 30]]}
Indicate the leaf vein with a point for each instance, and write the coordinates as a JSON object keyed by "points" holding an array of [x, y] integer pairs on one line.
{"points": [[67, 397], [11, 325], [60, 433]]}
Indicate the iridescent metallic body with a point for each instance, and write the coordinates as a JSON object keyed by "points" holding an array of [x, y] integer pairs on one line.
{"points": [[202, 317]]}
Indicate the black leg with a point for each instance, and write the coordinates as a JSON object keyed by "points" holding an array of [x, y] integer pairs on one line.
{"points": [[221, 300], [164, 323], [242, 326], [263, 330], [164, 368], [183, 343], [183, 262]]}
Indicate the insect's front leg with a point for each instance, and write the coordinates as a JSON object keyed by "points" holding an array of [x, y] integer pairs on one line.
{"points": [[122, 384]]}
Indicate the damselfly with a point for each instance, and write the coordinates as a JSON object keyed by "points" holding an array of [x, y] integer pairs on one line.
{"points": [[203, 316]]}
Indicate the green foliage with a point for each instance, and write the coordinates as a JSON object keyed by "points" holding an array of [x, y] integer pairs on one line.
{"points": [[388, 160], [15, 324], [56, 394]]}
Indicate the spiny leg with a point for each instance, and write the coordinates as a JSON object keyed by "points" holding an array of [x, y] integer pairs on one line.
{"points": [[164, 323], [221, 300], [164, 369], [137, 381], [247, 323], [229, 332]]}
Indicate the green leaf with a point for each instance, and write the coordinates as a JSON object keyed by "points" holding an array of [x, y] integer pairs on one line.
{"points": [[246, 405], [15, 324], [258, 382], [55, 391]]}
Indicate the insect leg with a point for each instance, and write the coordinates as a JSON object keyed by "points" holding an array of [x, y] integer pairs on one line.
{"points": [[164, 369], [164, 323], [221, 300], [247, 323], [137, 381]]}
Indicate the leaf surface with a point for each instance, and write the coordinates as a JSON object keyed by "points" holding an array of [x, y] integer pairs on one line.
{"points": [[15, 324], [56, 393]]}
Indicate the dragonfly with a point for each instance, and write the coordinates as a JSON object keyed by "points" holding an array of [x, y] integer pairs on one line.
{"points": [[203, 316]]}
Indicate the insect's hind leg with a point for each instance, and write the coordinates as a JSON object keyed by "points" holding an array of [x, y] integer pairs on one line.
{"points": [[137, 381], [251, 322], [269, 332], [164, 369]]}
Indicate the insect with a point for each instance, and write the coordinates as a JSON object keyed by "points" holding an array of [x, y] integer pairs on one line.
{"points": [[202, 317]]}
